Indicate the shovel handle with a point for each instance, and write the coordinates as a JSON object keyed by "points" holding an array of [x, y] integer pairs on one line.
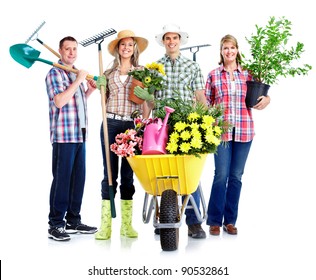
{"points": [[89, 77]]}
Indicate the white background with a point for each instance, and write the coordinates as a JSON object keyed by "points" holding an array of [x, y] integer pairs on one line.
{"points": [[277, 209]]}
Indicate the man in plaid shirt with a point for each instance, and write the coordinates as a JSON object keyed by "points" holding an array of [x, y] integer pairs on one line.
{"points": [[68, 128], [183, 76]]}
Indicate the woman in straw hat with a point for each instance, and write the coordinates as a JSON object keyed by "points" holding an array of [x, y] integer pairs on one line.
{"points": [[126, 49]]}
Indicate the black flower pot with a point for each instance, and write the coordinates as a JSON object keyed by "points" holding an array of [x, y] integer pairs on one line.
{"points": [[254, 91]]}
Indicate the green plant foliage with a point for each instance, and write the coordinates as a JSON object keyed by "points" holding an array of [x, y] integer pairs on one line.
{"points": [[270, 57]]}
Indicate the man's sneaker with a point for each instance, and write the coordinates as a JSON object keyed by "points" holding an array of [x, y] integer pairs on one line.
{"points": [[81, 228], [196, 231], [58, 234]]}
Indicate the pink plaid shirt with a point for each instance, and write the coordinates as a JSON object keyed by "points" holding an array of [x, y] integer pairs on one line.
{"points": [[218, 90]]}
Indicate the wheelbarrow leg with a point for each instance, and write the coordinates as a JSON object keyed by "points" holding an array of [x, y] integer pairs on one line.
{"points": [[201, 217]]}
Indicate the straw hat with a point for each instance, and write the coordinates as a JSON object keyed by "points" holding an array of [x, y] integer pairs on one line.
{"points": [[142, 43], [172, 28]]}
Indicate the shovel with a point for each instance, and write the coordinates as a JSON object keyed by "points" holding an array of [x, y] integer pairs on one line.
{"points": [[26, 56]]}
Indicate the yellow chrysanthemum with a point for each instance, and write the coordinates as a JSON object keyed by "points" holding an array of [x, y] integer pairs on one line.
{"points": [[218, 130], [179, 126], [208, 120], [194, 126], [196, 133], [185, 147], [174, 137], [196, 142], [193, 116], [205, 126], [172, 147], [185, 135]]}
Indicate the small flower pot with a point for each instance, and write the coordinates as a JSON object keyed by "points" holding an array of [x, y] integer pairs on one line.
{"points": [[254, 91], [132, 97]]}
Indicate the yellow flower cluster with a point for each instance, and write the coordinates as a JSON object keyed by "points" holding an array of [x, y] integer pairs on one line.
{"points": [[198, 135], [157, 67], [151, 76]]}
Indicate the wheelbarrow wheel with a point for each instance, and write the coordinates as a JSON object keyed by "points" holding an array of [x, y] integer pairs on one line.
{"points": [[169, 237]]}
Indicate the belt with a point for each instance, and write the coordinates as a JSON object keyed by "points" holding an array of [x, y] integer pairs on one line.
{"points": [[118, 117]]}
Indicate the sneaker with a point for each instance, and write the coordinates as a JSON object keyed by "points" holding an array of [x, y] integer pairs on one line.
{"points": [[81, 228], [196, 231], [58, 234]]}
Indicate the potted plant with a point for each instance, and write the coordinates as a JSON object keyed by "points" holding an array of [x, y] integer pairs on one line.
{"points": [[270, 57], [151, 77]]}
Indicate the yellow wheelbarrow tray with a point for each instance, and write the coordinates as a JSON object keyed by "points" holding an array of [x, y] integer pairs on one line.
{"points": [[173, 178]]}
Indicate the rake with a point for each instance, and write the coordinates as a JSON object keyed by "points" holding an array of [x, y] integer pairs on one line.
{"points": [[34, 36], [194, 49], [98, 39]]}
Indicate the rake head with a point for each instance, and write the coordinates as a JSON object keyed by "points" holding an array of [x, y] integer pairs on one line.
{"points": [[35, 33], [97, 38], [189, 48]]}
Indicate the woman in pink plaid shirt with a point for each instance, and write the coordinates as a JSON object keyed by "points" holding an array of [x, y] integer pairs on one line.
{"points": [[226, 85]]}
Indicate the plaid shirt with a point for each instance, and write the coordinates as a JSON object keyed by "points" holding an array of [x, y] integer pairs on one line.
{"points": [[117, 95], [64, 122], [218, 91], [183, 75]]}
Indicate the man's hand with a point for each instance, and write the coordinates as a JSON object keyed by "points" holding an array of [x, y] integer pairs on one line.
{"points": [[101, 81], [143, 93]]}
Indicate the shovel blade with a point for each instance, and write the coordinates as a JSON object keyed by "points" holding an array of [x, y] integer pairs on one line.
{"points": [[24, 54]]}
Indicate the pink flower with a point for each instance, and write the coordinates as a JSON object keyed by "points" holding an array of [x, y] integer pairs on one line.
{"points": [[127, 144]]}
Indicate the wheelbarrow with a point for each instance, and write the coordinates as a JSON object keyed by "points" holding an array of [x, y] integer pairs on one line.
{"points": [[166, 179]]}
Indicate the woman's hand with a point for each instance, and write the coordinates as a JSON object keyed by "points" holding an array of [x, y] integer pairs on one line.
{"points": [[263, 102]]}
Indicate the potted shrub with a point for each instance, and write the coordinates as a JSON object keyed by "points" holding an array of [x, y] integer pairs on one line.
{"points": [[270, 57]]}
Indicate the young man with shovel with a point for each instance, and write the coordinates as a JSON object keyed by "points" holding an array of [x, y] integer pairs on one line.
{"points": [[68, 132]]}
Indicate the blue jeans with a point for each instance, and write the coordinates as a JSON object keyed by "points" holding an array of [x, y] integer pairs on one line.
{"points": [[191, 218], [127, 188], [69, 173], [230, 161]]}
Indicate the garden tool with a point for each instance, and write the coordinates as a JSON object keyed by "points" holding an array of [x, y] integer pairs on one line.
{"points": [[98, 39], [34, 36], [194, 49], [26, 56]]}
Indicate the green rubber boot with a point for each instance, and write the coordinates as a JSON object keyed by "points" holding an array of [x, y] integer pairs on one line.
{"points": [[127, 213], [105, 230]]}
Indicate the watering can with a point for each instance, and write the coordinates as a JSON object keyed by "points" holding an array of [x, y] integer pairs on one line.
{"points": [[156, 136]]}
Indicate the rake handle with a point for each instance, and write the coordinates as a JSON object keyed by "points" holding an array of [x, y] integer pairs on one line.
{"points": [[48, 47], [106, 136]]}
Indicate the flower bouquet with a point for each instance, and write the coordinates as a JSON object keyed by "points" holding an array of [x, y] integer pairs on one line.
{"points": [[193, 128], [127, 144]]}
